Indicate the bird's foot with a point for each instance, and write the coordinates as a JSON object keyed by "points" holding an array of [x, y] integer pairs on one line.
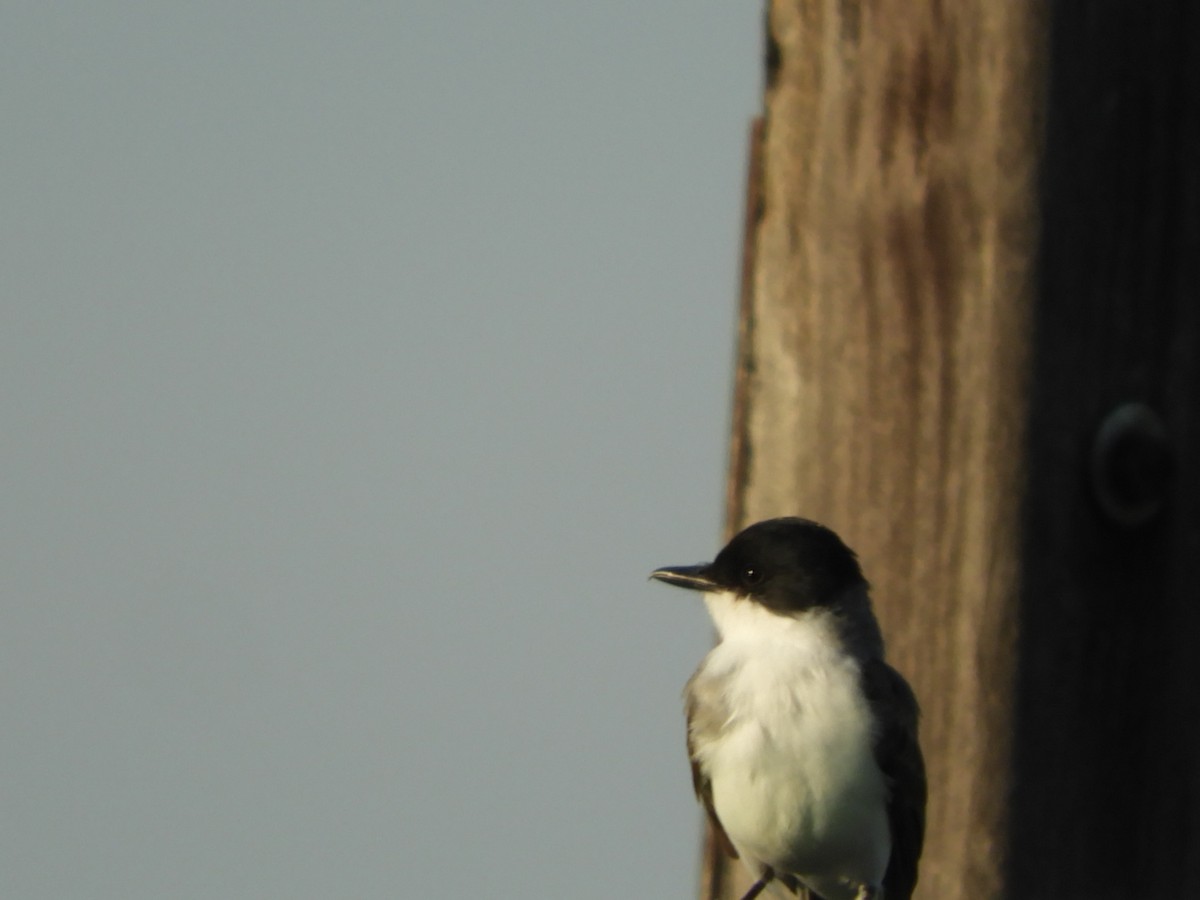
{"points": [[759, 886]]}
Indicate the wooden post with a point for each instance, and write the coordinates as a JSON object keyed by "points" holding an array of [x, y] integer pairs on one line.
{"points": [[931, 341], [885, 355]]}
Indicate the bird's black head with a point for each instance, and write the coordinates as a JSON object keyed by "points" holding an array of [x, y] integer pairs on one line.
{"points": [[787, 565]]}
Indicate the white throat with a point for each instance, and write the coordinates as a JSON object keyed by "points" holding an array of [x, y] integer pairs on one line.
{"points": [[813, 633]]}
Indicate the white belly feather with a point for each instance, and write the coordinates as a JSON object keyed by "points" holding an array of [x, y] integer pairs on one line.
{"points": [[794, 778]]}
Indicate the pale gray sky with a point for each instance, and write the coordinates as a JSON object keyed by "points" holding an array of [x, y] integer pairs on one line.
{"points": [[359, 361]]}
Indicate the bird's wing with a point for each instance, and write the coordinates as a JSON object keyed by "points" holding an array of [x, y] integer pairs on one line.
{"points": [[705, 716], [899, 757]]}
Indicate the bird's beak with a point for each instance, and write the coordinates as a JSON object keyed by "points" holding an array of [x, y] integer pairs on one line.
{"points": [[694, 578]]}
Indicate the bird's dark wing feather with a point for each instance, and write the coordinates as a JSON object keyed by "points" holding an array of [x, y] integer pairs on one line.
{"points": [[704, 791], [899, 756], [701, 716]]}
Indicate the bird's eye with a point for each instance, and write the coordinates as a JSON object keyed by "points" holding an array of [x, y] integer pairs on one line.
{"points": [[752, 576]]}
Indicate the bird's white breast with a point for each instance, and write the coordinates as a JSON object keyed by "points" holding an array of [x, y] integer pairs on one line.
{"points": [[794, 778]]}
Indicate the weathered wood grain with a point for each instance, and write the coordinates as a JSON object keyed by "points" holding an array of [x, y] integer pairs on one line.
{"points": [[885, 350]]}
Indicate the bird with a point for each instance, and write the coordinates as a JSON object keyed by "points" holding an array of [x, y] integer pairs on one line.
{"points": [[803, 741]]}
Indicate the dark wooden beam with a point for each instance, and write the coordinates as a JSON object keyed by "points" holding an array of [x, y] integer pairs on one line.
{"points": [[1106, 799]]}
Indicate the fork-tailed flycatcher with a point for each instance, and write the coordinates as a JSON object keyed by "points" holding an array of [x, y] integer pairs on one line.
{"points": [[803, 741]]}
